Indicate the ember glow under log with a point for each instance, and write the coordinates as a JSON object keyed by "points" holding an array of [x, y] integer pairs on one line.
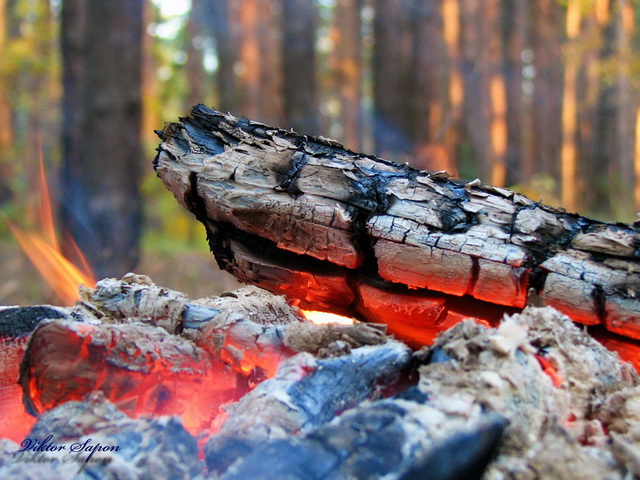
{"points": [[535, 393], [151, 351], [308, 218]]}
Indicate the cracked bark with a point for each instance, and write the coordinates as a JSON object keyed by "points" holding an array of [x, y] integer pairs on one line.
{"points": [[418, 250]]}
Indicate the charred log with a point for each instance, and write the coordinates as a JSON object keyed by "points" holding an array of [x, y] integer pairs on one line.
{"points": [[559, 389], [151, 350], [378, 441], [16, 326], [306, 393], [100, 442], [290, 213]]}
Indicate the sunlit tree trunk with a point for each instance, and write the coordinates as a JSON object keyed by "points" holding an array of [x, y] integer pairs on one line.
{"points": [[246, 13], [151, 98], [101, 205], [485, 93], [299, 66], [453, 121], [217, 22], [621, 166], [194, 67], [590, 167], [568, 157], [6, 120], [497, 94], [548, 31], [346, 65]]}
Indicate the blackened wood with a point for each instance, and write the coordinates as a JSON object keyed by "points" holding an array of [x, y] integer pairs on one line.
{"points": [[115, 446], [306, 393], [19, 322], [377, 441], [306, 217]]}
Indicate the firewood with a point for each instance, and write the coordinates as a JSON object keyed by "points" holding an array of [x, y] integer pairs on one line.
{"points": [[141, 368], [306, 393], [381, 440], [92, 439], [306, 217], [16, 325], [559, 389], [152, 350]]}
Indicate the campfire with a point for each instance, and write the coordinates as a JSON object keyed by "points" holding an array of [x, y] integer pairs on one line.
{"points": [[395, 324]]}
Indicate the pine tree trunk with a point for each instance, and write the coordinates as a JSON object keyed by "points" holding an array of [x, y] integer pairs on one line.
{"points": [[101, 205], [300, 85]]}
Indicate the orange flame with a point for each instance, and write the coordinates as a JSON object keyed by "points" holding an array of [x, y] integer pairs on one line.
{"points": [[43, 249], [326, 317]]}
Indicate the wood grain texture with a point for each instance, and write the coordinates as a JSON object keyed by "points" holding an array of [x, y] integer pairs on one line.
{"points": [[306, 217]]}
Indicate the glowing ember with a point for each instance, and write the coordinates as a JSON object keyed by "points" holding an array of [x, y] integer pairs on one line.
{"points": [[43, 250], [326, 317]]}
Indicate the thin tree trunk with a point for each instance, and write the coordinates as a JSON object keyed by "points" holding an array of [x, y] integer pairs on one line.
{"points": [[217, 16], [194, 67], [497, 94], [548, 22], [101, 207], [568, 156], [150, 86], [390, 54], [485, 96], [516, 40], [453, 123], [589, 89], [347, 69], [300, 85], [425, 92], [621, 166], [6, 120]]}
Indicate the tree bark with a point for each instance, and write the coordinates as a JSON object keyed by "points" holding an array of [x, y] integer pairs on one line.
{"points": [[548, 22], [300, 86], [217, 16], [345, 231], [347, 69], [101, 205], [390, 58]]}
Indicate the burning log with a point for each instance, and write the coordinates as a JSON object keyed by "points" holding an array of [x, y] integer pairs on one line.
{"points": [[381, 441], [340, 230], [559, 389], [92, 439], [16, 325], [152, 351], [306, 393]]}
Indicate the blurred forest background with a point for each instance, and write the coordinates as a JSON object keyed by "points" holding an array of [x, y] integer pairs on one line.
{"points": [[537, 95]]}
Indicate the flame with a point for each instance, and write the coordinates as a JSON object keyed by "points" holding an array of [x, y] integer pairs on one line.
{"points": [[321, 318], [43, 249]]}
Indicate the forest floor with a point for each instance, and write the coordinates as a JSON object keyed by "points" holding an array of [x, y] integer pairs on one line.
{"points": [[194, 273]]}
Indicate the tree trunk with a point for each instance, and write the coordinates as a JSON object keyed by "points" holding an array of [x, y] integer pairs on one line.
{"points": [[548, 22], [194, 67], [300, 86], [390, 57], [345, 231], [453, 123], [6, 120], [217, 19], [568, 154], [101, 205], [347, 69]]}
